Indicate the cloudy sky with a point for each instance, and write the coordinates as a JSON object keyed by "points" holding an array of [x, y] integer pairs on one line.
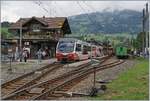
{"points": [[13, 10]]}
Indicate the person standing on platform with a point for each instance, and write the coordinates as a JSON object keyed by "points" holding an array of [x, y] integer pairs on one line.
{"points": [[43, 54], [25, 56], [39, 54]]}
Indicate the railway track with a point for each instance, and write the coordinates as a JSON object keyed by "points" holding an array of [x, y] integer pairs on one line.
{"points": [[30, 79], [34, 92], [49, 82], [27, 80], [59, 91]]}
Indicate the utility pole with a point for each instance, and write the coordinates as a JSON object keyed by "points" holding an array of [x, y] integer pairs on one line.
{"points": [[143, 30], [20, 41], [147, 26]]}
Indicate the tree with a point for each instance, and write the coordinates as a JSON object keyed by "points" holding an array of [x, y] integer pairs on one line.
{"points": [[5, 33], [140, 40]]}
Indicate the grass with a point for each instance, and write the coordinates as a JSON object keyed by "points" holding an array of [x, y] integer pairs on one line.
{"points": [[130, 85]]}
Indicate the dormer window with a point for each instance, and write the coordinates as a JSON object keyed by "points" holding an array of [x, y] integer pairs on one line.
{"points": [[36, 28]]}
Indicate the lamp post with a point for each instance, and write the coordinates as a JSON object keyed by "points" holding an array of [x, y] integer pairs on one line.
{"points": [[20, 41]]}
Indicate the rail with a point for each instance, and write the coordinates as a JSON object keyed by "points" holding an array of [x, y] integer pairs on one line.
{"points": [[28, 93]]}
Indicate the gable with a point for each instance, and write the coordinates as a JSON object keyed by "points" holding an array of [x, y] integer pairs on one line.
{"points": [[46, 23], [34, 20]]}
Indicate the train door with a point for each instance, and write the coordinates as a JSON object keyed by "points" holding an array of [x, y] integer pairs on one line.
{"points": [[78, 50], [93, 51], [97, 51], [89, 51], [85, 54], [101, 51]]}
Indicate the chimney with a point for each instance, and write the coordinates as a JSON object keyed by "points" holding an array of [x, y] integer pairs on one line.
{"points": [[33, 17]]}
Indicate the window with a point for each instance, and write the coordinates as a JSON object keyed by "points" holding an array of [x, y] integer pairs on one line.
{"points": [[26, 43], [85, 49], [78, 47], [121, 48], [89, 48], [66, 47], [36, 28]]}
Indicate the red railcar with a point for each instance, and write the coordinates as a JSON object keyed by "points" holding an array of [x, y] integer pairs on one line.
{"points": [[71, 49]]}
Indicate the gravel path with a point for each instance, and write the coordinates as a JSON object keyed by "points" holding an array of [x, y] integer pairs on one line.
{"points": [[108, 74]]}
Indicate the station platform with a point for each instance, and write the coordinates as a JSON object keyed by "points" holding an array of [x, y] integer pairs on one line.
{"points": [[34, 61], [20, 68]]}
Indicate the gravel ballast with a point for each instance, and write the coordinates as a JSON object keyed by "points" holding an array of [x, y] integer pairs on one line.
{"points": [[107, 74]]}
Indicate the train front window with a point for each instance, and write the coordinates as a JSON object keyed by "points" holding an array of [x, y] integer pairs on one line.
{"points": [[78, 47], [66, 47]]}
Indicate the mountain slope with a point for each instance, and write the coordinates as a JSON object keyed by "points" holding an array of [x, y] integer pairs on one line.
{"points": [[125, 21]]}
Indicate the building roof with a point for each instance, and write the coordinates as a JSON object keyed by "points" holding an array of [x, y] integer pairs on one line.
{"points": [[48, 22]]}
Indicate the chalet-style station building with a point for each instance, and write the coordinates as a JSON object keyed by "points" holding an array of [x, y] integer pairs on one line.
{"points": [[40, 33]]}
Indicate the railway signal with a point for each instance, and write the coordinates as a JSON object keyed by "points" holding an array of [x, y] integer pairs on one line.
{"points": [[94, 89]]}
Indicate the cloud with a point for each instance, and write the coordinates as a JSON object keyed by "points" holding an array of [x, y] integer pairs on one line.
{"points": [[13, 10]]}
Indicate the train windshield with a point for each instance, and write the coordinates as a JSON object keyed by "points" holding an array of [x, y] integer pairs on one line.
{"points": [[66, 46]]}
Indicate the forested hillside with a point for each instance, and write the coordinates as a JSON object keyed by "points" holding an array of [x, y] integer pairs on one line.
{"points": [[125, 21]]}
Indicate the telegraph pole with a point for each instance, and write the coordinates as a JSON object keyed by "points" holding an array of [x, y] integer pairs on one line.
{"points": [[143, 31], [147, 26]]}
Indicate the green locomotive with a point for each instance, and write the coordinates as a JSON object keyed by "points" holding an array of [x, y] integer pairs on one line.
{"points": [[121, 51]]}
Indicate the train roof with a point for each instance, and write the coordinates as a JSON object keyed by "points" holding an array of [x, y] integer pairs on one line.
{"points": [[73, 40], [68, 39]]}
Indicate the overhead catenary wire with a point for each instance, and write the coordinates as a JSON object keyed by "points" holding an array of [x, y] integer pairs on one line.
{"points": [[49, 5], [39, 3], [53, 8], [61, 9], [84, 11], [88, 16], [44, 7], [81, 33], [55, 14], [92, 8]]}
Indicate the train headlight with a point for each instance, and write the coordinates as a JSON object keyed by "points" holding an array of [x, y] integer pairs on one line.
{"points": [[58, 54], [71, 56]]}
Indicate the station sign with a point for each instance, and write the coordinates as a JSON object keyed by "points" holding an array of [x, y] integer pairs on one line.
{"points": [[9, 50]]}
